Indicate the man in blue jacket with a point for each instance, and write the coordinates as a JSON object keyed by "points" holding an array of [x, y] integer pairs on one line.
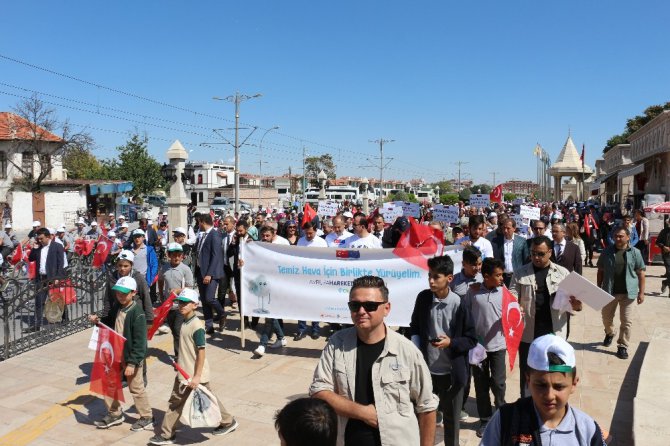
{"points": [[208, 272]]}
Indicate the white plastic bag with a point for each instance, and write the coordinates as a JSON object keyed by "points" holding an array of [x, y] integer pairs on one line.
{"points": [[477, 354], [201, 409], [562, 302]]}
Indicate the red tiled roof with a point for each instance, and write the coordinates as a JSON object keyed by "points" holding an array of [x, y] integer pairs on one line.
{"points": [[14, 127]]}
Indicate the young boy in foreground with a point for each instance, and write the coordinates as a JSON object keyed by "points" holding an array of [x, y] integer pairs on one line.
{"points": [[192, 359], [545, 417], [126, 317]]}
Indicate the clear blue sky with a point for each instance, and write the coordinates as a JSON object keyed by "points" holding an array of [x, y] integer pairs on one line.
{"points": [[480, 82]]}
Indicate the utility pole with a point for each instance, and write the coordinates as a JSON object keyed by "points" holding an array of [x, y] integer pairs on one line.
{"points": [[459, 164], [382, 166], [236, 100], [304, 176], [494, 178]]}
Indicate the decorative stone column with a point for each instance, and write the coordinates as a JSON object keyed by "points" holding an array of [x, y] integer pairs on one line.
{"points": [[178, 201]]}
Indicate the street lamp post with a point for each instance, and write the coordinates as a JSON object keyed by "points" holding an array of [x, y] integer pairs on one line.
{"points": [[322, 177], [364, 195], [260, 161], [173, 172], [236, 100]]}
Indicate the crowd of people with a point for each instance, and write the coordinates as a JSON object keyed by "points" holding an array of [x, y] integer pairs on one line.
{"points": [[386, 387]]}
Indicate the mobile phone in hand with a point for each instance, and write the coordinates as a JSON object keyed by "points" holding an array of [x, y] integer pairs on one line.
{"points": [[435, 340]]}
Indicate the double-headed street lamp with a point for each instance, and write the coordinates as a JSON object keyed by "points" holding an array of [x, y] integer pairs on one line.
{"points": [[236, 100], [260, 161]]}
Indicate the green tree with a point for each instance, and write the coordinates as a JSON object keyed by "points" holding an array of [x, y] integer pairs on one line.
{"points": [[135, 164], [636, 123], [509, 196], [465, 194], [81, 164], [403, 196], [449, 198], [315, 164], [445, 187], [484, 188]]}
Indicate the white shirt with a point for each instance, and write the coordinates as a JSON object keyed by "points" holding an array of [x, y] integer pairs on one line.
{"points": [[482, 244], [562, 246], [43, 259], [279, 240], [316, 242], [334, 240], [369, 241], [507, 249], [381, 234]]}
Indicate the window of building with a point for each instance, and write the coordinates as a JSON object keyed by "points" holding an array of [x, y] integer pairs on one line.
{"points": [[200, 181], [200, 197], [3, 165], [28, 163]]}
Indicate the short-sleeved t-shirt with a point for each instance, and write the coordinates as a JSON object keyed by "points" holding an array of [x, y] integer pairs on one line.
{"points": [[192, 339]]}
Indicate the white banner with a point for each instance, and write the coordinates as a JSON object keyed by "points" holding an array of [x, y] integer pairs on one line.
{"points": [[456, 254], [480, 200], [327, 209], [529, 212], [409, 209], [390, 212], [447, 214], [312, 284]]}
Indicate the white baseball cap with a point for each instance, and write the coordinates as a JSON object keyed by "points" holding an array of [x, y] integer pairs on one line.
{"points": [[36, 223], [81, 221], [124, 225], [172, 247], [125, 285], [111, 234], [348, 214], [179, 230], [8, 226], [110, 214], [538, 354], [126, 255], [189, 295], [121, 217], [137, 232], [94, 223], [61, 229]]}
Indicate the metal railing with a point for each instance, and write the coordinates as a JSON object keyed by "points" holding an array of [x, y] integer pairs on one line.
{"points": [[23, 330]]}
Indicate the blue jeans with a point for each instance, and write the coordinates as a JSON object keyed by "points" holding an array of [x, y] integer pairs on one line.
{"points": [[302, 327], [271, 326]]}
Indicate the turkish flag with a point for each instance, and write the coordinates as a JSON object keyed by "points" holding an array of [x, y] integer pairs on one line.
{"points": [[419, 243], [32, 270], [308, 214], [103, 228], [160, 314], [496, 195], [83, 247], [18, 255], [106, 373], [512, 323], [101, 251]]}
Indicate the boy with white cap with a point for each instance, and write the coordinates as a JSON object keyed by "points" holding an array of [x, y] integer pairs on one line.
{"points": [[173, 277], [124, 268], [127, 319], [545, 417], [93, 232], [193, 361], [36, 226]]}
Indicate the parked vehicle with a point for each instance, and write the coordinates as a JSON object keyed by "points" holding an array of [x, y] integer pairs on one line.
{"points": [[225, 204]]}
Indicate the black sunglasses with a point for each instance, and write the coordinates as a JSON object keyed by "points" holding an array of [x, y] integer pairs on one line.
{"points": [[367, 306]]}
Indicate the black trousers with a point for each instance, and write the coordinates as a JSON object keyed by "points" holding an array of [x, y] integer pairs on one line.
{"points": [[451, 399], [490, 377], [175, 321], [523, 368], [210, 304], [666, 263]]}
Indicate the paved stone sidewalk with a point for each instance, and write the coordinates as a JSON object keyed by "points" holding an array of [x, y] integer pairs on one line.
{"points": [[45, 398]]}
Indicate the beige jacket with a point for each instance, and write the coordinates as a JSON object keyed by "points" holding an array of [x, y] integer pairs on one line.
{"points": [[524, 286], [401, 384]]}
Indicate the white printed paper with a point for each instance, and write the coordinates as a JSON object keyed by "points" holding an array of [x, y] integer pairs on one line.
{"points": [[530, 212], [447, 214], [584, 290], [480, 200]]}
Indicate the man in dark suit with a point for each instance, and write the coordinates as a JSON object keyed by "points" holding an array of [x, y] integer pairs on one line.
{"points": [[49, 261], [510, 249], [565, 252], [208, 272]]}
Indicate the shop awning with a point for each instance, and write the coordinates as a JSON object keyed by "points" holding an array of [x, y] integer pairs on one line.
{"points": [[110, 188], [632, 171]]}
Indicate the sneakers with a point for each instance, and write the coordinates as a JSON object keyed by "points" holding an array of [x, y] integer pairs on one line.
{"points": [[608, 340], [315, 336], [279, 343], [464, 415], [163, 329], [481, 428], [109, 421], [226, 428], [142, 424], [622, 352], [222, 324], [260, 350], [159, 440], [300, 336]]}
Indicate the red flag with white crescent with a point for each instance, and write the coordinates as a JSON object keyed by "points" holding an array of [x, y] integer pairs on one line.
{"points": [[512, 322], [101, 251], [496, 195], [18, 255], [160, 314], [106, 373], [419, 243]]}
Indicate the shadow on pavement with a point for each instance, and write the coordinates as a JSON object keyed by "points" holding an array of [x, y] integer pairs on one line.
{"points": [[85, 368], [592, 347], [622, 418], [94, 408]]}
